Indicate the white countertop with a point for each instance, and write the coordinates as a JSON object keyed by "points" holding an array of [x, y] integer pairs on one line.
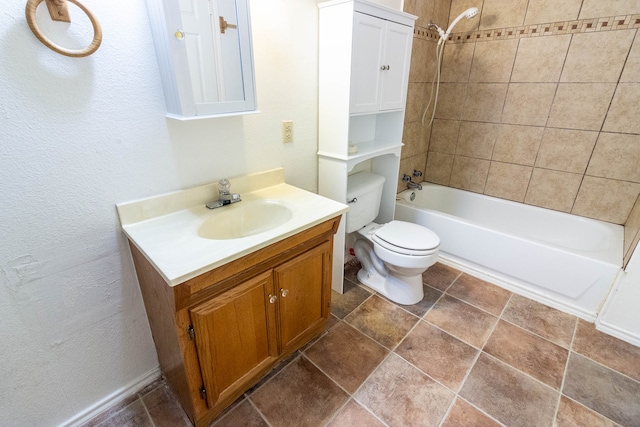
{"points": [[165, 228]]}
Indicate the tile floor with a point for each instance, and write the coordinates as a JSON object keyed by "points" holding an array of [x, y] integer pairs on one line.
{"points": [[470, 354]]}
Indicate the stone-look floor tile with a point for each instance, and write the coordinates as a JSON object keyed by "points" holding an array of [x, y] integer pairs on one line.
{"points": [[431, 295], [331, 322], [604, 390], [441, 356], [529, 353], [347, 356], [280, 366], [440, 276], [508, 395], [132, 415], [353, 415], [228, 409], [400, 395], [540, 319], [149, 388], [573, 414], [99, 419], [381, 320], [610, 351], [345, 303], [244, 415], [463, 414], [479, 293], [164, 408], [300, 395], [461, 320], [351, 271]]}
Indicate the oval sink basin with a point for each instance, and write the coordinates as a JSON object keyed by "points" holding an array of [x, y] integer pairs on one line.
{"points": [[244, 219]]}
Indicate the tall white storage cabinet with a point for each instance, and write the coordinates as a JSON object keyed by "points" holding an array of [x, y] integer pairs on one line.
{"points": [[365, 54]]}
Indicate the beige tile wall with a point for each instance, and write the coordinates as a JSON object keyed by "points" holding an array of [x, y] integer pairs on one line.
{"points": [[414, 153], [539, 103]]}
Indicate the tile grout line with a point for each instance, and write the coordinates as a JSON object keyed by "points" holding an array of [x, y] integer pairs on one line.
{"points": [[606, 367], [480, 351], [513, 367], [499, 317], [264, 418], [391, 351], [352, 395], [274, 375], [537, 335], [566, 368], [146, 410]]}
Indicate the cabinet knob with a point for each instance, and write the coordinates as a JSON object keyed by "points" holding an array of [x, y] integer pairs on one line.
{"points": [[272, 298], [385, 67], [284, 292]]}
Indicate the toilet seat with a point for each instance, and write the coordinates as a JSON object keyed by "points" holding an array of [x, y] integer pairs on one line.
{"points": [[406, 238]]}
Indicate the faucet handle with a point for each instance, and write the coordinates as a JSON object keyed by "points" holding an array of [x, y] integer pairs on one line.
{"points": [[417, 173], [224, 186]]}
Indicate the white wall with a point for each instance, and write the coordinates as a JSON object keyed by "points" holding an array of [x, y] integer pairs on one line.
{"points": [[79, 135]]}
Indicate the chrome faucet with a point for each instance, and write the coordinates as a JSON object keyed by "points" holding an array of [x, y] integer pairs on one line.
{"points": [[225, 196], [410, 184]]}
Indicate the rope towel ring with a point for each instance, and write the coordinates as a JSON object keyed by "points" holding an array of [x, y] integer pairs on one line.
{"points": [[30, 12]]}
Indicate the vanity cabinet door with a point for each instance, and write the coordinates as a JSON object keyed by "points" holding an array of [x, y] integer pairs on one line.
{"points": [[380, 64], [303, 285], [235, 335]]}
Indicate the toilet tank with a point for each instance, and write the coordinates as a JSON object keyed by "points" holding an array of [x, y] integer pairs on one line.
{"points": [[366, 189]]}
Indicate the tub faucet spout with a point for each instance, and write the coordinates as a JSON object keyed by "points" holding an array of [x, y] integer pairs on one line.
{"points": [[410, 184]]}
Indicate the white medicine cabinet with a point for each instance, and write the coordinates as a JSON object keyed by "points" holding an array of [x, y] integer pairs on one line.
{"points": [[205, 56], [364, 60]]}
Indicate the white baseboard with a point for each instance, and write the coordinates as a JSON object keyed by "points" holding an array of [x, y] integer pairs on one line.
{"points": [[614, 331], [117, 396]]}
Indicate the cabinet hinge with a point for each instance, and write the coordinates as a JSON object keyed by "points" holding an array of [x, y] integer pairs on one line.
{"points": [[203, 393], [191, 333]]}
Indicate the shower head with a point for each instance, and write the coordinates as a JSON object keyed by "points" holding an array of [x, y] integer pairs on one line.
{"points": [[469, 13]]}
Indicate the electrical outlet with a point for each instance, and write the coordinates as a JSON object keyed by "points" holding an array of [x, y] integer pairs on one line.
{"points": [[287, 131]]}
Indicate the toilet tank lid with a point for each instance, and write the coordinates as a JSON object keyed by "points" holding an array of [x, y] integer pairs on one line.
{"points": [[408, 235], [362, 182]]}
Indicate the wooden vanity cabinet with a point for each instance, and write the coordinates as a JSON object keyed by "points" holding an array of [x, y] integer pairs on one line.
{"points": [[217, 334]]}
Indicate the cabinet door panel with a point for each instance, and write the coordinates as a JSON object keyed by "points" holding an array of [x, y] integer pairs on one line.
{"points": [[368, 41], [397, 56], [303, 286], [235, 334]]}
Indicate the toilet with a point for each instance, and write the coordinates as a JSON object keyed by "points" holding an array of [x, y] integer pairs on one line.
{"points": [[393, 255]]}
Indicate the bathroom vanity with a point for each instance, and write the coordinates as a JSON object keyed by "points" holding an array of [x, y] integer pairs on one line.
{"points": [[222, 318]]}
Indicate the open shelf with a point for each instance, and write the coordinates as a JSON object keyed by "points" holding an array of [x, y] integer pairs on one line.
{"points": [[366, 150]]}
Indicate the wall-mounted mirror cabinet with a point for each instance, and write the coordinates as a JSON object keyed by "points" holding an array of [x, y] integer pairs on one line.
{"points": [[205, 56]]}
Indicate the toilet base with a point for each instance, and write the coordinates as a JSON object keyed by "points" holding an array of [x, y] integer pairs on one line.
{"points": [[407, 290]]}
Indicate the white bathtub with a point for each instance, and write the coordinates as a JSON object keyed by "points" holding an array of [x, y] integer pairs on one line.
{"points": [[562, 260]]}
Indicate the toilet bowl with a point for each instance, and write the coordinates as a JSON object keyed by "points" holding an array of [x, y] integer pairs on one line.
{"points": [[393, 255]]}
